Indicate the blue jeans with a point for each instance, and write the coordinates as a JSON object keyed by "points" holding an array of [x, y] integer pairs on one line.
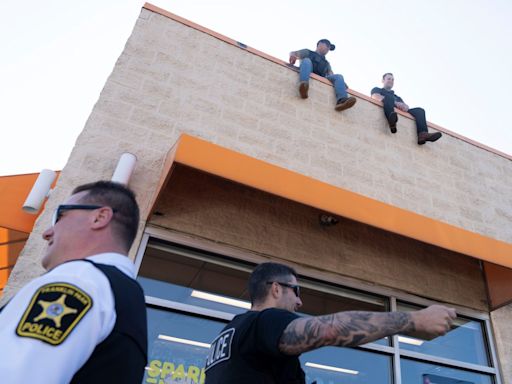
{"points": [[418, 113], [306, 67]]}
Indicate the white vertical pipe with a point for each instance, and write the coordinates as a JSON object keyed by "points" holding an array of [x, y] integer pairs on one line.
{"points": [[124, 168], [39, 191]]}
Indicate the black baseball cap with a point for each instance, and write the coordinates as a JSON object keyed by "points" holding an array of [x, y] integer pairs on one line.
{"points": [[332, 47]]}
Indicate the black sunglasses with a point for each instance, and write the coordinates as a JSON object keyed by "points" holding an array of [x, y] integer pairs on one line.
{"points": [[296, 288], [67, 207]]}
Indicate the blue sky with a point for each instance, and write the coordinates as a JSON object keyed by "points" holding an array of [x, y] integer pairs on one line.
{"points": [[451, 57]]}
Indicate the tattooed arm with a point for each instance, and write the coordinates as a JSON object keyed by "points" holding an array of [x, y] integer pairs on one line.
{"points": [[356, 328]]}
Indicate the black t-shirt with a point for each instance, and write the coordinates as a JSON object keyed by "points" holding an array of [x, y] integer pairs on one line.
{"points": [[385, 92], [247, 351]]}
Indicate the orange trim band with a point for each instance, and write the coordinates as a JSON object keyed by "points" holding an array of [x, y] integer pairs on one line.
{"points": [[258, 174]]}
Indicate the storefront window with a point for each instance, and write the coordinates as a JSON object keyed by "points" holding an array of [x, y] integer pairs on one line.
{"points": [[464, 342], [332, 365], [192, 295], [177, 347], [423, 373]]}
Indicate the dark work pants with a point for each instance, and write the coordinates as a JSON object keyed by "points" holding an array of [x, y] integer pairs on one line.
{"points": [[417, 113]]}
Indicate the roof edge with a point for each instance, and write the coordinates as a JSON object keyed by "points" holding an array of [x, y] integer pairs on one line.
{"points": [[170, 15]]}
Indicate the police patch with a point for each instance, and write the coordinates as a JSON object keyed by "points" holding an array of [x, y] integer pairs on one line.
{"points": [[220, 349], [53, 312]]}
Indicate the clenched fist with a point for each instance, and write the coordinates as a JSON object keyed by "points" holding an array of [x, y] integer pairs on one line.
{"points": [[433, 321]]}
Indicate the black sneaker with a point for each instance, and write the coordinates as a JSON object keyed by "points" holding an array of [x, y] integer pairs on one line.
{"points": [[345, 103], [392, 119]]}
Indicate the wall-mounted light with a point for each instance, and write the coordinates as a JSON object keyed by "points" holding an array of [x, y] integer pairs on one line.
{"points": [[39, 191], [124, 168]]}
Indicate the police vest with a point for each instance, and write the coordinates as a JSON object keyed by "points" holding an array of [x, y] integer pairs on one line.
{"points": [[122, 356], [320, 64]]}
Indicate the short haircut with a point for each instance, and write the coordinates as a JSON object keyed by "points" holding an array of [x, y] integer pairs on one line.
{"points": [[258, 287], [122, 201], [387, 73]]}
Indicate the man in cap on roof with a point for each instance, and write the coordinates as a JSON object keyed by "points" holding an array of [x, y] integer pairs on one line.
{"points": [[314, 61]]}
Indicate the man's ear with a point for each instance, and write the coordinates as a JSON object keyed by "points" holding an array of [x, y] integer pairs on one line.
{"points": [[102, 217], [274, 290]]}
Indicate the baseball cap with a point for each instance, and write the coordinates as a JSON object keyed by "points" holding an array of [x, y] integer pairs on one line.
{"points": [[328, 43]]}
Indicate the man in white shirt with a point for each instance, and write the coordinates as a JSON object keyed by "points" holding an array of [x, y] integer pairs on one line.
{"points": [[85, 319]]}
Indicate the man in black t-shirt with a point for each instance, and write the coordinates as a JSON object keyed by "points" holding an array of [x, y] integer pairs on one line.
{"points": [[314, 61], [263, 345], [390, 101]]}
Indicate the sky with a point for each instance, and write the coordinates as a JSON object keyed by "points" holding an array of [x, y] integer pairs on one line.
{"points": [[451, 57]]}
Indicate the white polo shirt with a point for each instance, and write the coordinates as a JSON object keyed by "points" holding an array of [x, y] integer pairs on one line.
{"points": [[54, 323]]}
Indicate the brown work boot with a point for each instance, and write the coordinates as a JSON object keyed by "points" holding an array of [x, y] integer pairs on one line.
{"points": [[345, 103], [303, 89], [423, 137], [392, 119]]}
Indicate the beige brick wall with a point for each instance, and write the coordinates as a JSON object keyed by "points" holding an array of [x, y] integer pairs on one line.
{"points": [[172, 79]]}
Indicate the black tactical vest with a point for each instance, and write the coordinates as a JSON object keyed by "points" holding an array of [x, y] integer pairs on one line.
{"points": [[320, 64], [122, 356]]}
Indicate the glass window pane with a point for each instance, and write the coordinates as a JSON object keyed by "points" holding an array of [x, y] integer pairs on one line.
{"points": [[331, 365], [464, 342], [422, 373], [188, 276], [178, 346], [166, 273], [173, 292]]}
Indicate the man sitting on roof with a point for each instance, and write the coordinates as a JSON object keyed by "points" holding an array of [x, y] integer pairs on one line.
{"points": [[390, 100], [315, 62]]}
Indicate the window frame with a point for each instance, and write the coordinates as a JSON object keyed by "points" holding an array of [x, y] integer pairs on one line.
{"points": [[392, 295]]}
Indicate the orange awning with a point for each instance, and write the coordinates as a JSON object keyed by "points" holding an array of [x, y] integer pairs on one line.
{"points": [[243, 169], [13, 192]]}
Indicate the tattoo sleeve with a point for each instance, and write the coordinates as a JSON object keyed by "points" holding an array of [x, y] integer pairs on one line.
{"points": [[342, 329]]}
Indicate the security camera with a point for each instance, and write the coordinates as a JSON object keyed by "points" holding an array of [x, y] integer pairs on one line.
{"points": [[327, 220]]}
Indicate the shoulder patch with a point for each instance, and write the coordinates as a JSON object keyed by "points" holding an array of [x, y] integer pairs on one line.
{"points": [[53, 312], [220, 349]]}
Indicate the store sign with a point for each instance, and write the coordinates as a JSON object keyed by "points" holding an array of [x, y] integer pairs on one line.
{"points": [[167, 372]]}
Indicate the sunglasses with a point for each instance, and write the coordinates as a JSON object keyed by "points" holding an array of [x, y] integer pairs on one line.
{"points": [[68, 207], [296, 288]]}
